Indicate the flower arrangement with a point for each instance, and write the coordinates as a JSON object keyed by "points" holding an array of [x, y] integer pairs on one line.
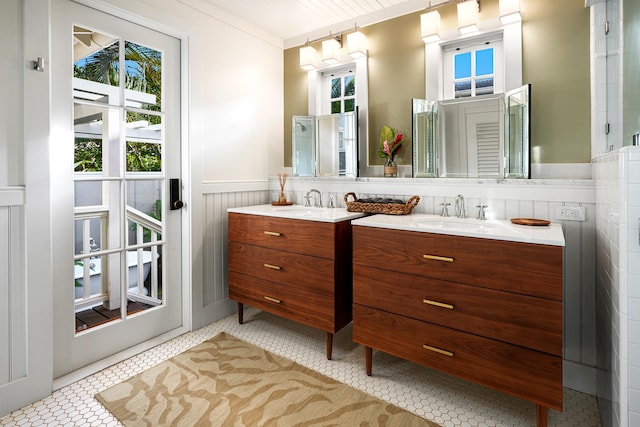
{"points": [[390, 142]]}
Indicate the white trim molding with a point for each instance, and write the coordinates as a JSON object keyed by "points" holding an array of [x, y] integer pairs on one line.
{"points": [[12, 196], [212, 187]]}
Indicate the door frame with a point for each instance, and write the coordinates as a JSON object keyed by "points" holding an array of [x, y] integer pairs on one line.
{"points": [[33, 259], [185, 213]]}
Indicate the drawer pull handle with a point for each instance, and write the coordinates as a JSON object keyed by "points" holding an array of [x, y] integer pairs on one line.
{"points": [[277, 301], [438, 258], [437, 350], [273, 267], [438, 304], [272, 233]]}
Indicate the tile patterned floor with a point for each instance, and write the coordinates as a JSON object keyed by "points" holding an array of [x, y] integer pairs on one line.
{"points": [[438, 397]]}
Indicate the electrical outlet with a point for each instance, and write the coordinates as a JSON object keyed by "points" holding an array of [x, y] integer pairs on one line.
{"points": [[570, 213]]}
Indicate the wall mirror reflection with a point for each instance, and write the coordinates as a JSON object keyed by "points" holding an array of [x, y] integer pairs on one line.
{"points": [[325, 145], [479, 137]]}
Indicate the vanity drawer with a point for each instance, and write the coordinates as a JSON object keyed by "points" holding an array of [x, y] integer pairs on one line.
{"points": [[293, 303], [291, 235], [522, 372], [302, 271], [519, 319], [525, 268]]}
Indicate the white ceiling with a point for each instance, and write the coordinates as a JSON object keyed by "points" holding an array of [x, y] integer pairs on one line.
{"points": [[295, 21]]}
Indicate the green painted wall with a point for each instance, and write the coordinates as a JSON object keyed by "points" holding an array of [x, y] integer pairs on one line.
{"points": [[555, 62], [555, 56]]}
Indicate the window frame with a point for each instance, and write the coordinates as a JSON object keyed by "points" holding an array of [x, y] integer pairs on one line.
{"points": [[510, 60], [473, 45], [315, 90], [327, 77]]}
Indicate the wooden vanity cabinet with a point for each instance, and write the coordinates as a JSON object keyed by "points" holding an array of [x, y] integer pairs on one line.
{"points": [[297, 269], [489, 311]]}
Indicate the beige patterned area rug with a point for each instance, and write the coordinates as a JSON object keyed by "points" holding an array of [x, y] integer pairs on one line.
{"points": [[228, 382]]}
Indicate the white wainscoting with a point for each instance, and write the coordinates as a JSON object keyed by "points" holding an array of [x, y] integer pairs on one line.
{"points": [[217, 198], [13, 320]]}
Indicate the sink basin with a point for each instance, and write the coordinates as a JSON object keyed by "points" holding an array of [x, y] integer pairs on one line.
{"points": [[300, 212], [312, 212], [455, 224]]}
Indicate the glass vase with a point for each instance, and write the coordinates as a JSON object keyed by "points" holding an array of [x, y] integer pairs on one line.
{"points": [[390, 169]]}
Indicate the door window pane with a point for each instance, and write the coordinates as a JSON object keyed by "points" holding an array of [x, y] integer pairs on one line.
{"points": [[87, 155], [144, 138], [143, 76], [144, 211], [96, 57]]}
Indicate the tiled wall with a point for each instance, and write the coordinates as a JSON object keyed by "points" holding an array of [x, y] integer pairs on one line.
{"points": [[607, 287], [606, 72], [618, 286], [630, 272]]}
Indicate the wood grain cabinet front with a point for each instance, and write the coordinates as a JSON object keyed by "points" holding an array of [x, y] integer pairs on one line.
{"points": [[297, 269], [489, 311]]}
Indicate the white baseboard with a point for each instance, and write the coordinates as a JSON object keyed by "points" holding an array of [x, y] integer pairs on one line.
{"points": [[579, 377]]}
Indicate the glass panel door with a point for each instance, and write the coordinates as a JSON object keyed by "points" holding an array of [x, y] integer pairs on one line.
{"points": [[116, 138], [118, 175]]}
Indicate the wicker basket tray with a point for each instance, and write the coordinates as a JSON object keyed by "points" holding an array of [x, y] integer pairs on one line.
{"points": [[380, 208]]}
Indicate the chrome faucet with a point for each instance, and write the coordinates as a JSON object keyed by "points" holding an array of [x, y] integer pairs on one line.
{"points": [[445, 208], [332, 201], [460, 213], [481, 212], [318, 201]]}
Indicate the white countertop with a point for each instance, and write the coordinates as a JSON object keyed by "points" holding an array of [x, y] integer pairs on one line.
{"points": [[299, 212], [490, 229]]}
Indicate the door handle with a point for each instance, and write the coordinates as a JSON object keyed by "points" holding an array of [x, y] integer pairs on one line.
{"points": [[174, 194]]}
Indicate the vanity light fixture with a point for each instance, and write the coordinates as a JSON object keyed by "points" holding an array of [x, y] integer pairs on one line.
{"points": [[430, 25], [331, 50], [307, 57], [468, 16], [356, 44], [510, 11]]}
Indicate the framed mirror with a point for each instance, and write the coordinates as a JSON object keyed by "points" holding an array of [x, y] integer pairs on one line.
{"points": [[325, 145], [480, 137]]}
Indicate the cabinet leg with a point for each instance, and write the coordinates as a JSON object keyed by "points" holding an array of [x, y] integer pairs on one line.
{"points": [[542, 416], [240, 313], [368, 359], [329, 345]]}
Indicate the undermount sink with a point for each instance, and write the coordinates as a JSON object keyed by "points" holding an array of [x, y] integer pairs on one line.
{"points": [[308, 213], [455, 223], [301, 212]]}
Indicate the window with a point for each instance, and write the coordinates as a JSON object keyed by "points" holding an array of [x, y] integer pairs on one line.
{"points": [[472, 67], [473, 73], [353, 83], [339, 95]]}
